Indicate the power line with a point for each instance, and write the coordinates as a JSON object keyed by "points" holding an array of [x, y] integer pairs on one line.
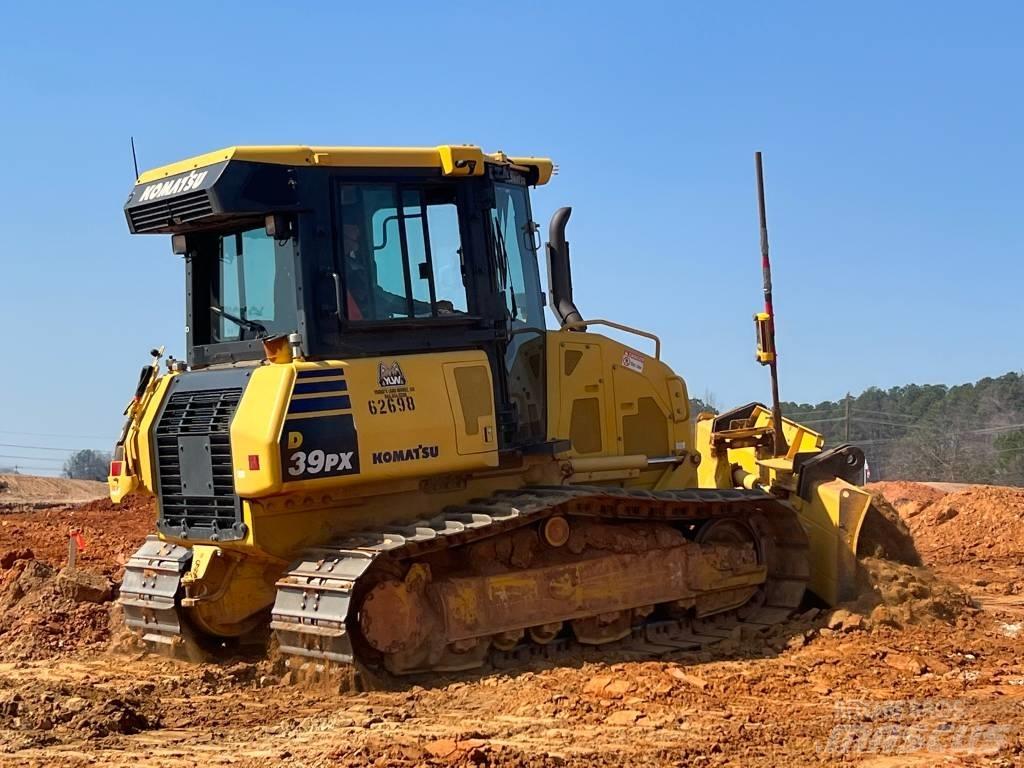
{"points": [[45, 448], [30, 458], [879, 422], [18, 467], [857, 411], [53, 434], [995, 430], [877, 441]]}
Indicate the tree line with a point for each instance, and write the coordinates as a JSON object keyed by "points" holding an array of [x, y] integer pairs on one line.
{"points": [[968, 433]]}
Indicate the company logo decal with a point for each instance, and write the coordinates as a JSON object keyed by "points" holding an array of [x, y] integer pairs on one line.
{"points": [[173, 186], [406, 454], [390, 375]]}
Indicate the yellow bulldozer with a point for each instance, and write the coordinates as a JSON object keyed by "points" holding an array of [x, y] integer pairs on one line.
{"points": [[378, 451]]}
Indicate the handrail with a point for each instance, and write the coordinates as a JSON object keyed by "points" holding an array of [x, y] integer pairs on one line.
{"points": [[619, 327]]}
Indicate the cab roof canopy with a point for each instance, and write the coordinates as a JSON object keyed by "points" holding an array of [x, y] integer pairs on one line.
{"points": [[451, 159]]}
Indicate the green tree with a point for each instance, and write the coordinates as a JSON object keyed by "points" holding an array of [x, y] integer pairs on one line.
{"points": [[1009, 449], [970, 433], [87, 464]]}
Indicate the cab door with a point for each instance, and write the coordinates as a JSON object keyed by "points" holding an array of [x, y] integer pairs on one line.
{"points": [[512, 241]]}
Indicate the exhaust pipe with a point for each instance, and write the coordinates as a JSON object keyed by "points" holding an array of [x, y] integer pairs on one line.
{"points": [[559, 270]]}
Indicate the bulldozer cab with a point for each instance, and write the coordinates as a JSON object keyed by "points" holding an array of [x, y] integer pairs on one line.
{"points": [[362, 252]]}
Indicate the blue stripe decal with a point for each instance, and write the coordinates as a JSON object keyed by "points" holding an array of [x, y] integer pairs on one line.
{"points": [[320, 404], [320, 373], [309, 387]]}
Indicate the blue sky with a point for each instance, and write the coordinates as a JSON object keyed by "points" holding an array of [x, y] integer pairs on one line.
{"points": [[893, 158]]}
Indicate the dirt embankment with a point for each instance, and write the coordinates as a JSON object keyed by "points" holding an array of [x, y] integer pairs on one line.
{"points": [[975, 523], [29, 491], [972, 535], [111, 532], [47, 610]]}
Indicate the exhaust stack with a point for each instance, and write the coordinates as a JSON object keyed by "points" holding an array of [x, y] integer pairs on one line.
{"points": [[559, 270]]}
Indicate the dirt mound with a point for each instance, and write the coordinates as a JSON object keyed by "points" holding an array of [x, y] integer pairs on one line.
{"points": [[977, 523], [897, 594], [908, 498], [30, 491], [45, 613], [884, 534], [111, 532]]}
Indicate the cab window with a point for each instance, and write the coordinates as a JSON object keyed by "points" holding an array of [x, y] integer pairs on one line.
{"points": [[243, 286], [401, 251], [516, 255]]}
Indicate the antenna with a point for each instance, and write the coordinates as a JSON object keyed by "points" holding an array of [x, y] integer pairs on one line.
{"points": [[135, 161], [766, 324]]}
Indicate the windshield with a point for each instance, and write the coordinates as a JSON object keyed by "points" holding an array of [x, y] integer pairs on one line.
{"points": [[250, 279], [516, 255]]}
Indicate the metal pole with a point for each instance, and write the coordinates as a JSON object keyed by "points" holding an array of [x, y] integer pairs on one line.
{"points": [[766, 269], [846, 431]]}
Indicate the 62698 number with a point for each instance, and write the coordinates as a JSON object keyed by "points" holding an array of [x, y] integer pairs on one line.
{"points": [[399, 404]]}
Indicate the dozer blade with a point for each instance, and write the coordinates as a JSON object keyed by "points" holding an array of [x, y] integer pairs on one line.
{"points": [[832, 518]]}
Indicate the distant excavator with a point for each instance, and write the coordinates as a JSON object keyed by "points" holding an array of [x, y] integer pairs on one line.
{"points": [[378, 450]]}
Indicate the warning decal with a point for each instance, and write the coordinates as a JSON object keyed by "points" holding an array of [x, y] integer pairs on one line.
{"points": [[633, 360]]}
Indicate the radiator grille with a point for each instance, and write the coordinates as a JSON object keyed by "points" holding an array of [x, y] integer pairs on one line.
{"points": [[173, 211], [215, 513]]}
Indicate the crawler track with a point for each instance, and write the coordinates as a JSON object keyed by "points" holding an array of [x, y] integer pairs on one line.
{"points": [[315, 616]]}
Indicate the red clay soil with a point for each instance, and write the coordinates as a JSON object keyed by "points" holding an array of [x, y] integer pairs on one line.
{"points": [[909, 498], [913, 674], [42, 612], [111, 533], [972, 535], [40, 616], [975, 523]]}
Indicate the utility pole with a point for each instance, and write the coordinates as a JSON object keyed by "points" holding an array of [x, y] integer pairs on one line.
{"points": [[846, 430]]}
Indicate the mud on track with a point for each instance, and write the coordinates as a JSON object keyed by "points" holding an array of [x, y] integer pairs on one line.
{"points": [[914, 673]]}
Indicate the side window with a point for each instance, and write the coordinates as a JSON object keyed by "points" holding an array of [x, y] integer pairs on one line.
{"points": [[446, 254], [400, 260], [260, 271], [518, 278], [254, 287], [371, 248]]}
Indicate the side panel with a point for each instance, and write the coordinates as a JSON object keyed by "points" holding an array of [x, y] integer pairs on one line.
{"points": [[256, 428], [140, 446], [644, 421], [338, 424], [581, 398], [610, 400], [471, 398]]}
